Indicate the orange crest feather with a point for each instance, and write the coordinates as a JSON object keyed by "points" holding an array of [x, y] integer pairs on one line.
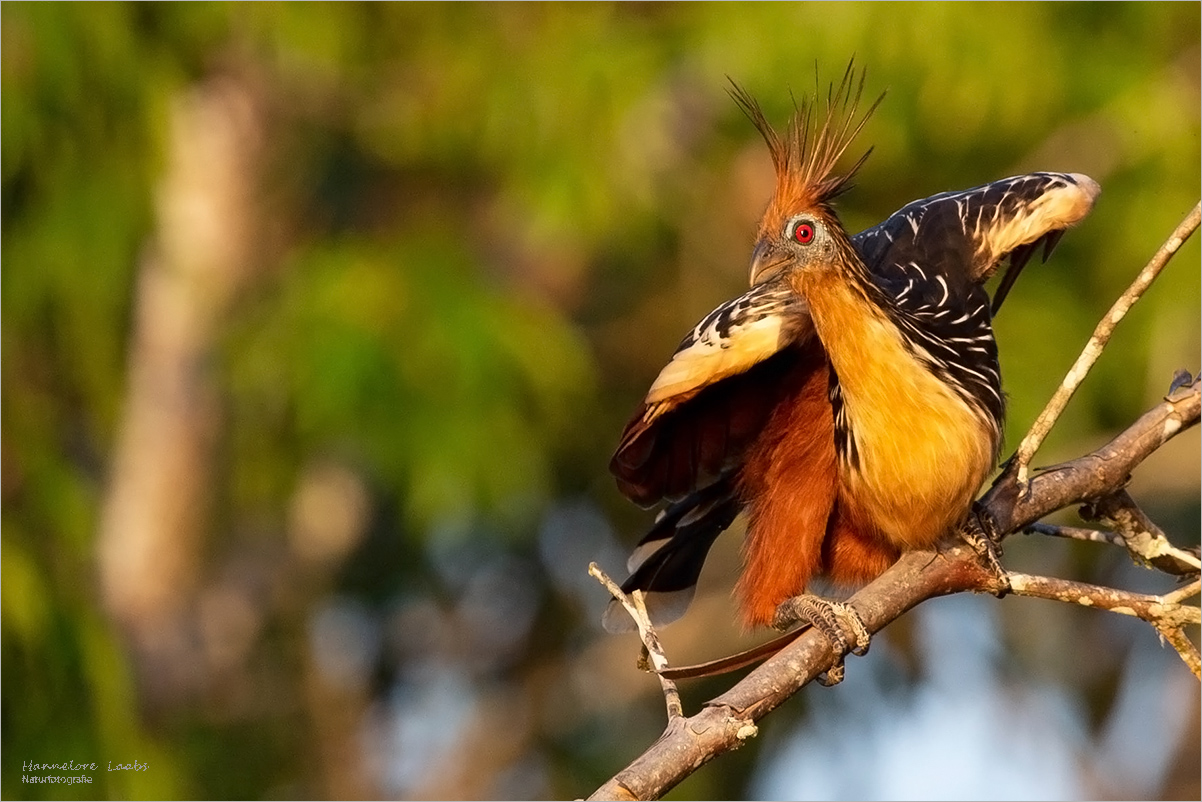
{"points": [[806, 155]]}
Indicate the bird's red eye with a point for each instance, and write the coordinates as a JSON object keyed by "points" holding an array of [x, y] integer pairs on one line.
{"points": [[803, 233]]}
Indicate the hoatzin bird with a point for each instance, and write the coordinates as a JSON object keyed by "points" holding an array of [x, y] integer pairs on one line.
{"points": [[851, 401]]}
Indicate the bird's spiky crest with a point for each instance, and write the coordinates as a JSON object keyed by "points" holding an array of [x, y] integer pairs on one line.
{"points": [[805, 157]]}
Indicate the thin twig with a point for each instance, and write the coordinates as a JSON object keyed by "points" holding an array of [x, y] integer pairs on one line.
{"points": [[1181, 594], [1136, 532], [1140, 605], [637, 609], [1186, 648], [1093, 349], [1074, 533]]}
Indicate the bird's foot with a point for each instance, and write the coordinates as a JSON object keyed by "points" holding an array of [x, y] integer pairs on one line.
{"points": [[828, 617], [981, 533]]}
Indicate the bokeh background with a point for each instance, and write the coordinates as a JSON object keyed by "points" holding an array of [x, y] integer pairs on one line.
{"points": [[320, 322]]}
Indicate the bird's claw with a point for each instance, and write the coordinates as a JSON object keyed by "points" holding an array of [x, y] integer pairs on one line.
{"points": [[828, 618], [980, 532], [833, 675]]}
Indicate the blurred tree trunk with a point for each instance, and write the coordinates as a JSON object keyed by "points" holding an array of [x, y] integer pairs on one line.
{"points": [[155, 513]]}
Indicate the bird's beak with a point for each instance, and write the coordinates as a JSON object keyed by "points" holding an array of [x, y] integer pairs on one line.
{"points": [[766, 260]]}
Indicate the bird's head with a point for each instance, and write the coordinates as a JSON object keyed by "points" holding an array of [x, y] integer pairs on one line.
{"points": [[800, 230]]}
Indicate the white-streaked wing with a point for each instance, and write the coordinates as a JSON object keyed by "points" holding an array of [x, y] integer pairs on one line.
{"points": [[732, 338], [1063, 200], [713, 397], [964, 235]]}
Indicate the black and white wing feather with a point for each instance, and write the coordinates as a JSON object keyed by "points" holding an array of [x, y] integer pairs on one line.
{"points": [[732, 338], [964, 236]]}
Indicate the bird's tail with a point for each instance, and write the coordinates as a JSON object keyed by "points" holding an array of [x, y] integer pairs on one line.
{"points": [[667, 562]]}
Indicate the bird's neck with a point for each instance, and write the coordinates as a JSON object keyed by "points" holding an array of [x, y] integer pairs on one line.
{"points": [[853, 325]]}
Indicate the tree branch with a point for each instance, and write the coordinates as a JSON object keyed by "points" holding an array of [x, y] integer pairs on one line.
{"points": [[1093, 475], [1166, 613], [1074, 533]]}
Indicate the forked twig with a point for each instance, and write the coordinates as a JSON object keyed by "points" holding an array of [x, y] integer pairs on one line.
{"points": [[1093, 349], [637, 608], [1133, 530], [1166, 613]]}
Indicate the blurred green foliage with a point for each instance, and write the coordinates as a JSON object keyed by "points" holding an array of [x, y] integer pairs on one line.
{"points": [[485, 228]]}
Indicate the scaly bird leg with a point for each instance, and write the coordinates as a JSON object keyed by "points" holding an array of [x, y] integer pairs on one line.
{"points": [[981, 533], [828, 618]]}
